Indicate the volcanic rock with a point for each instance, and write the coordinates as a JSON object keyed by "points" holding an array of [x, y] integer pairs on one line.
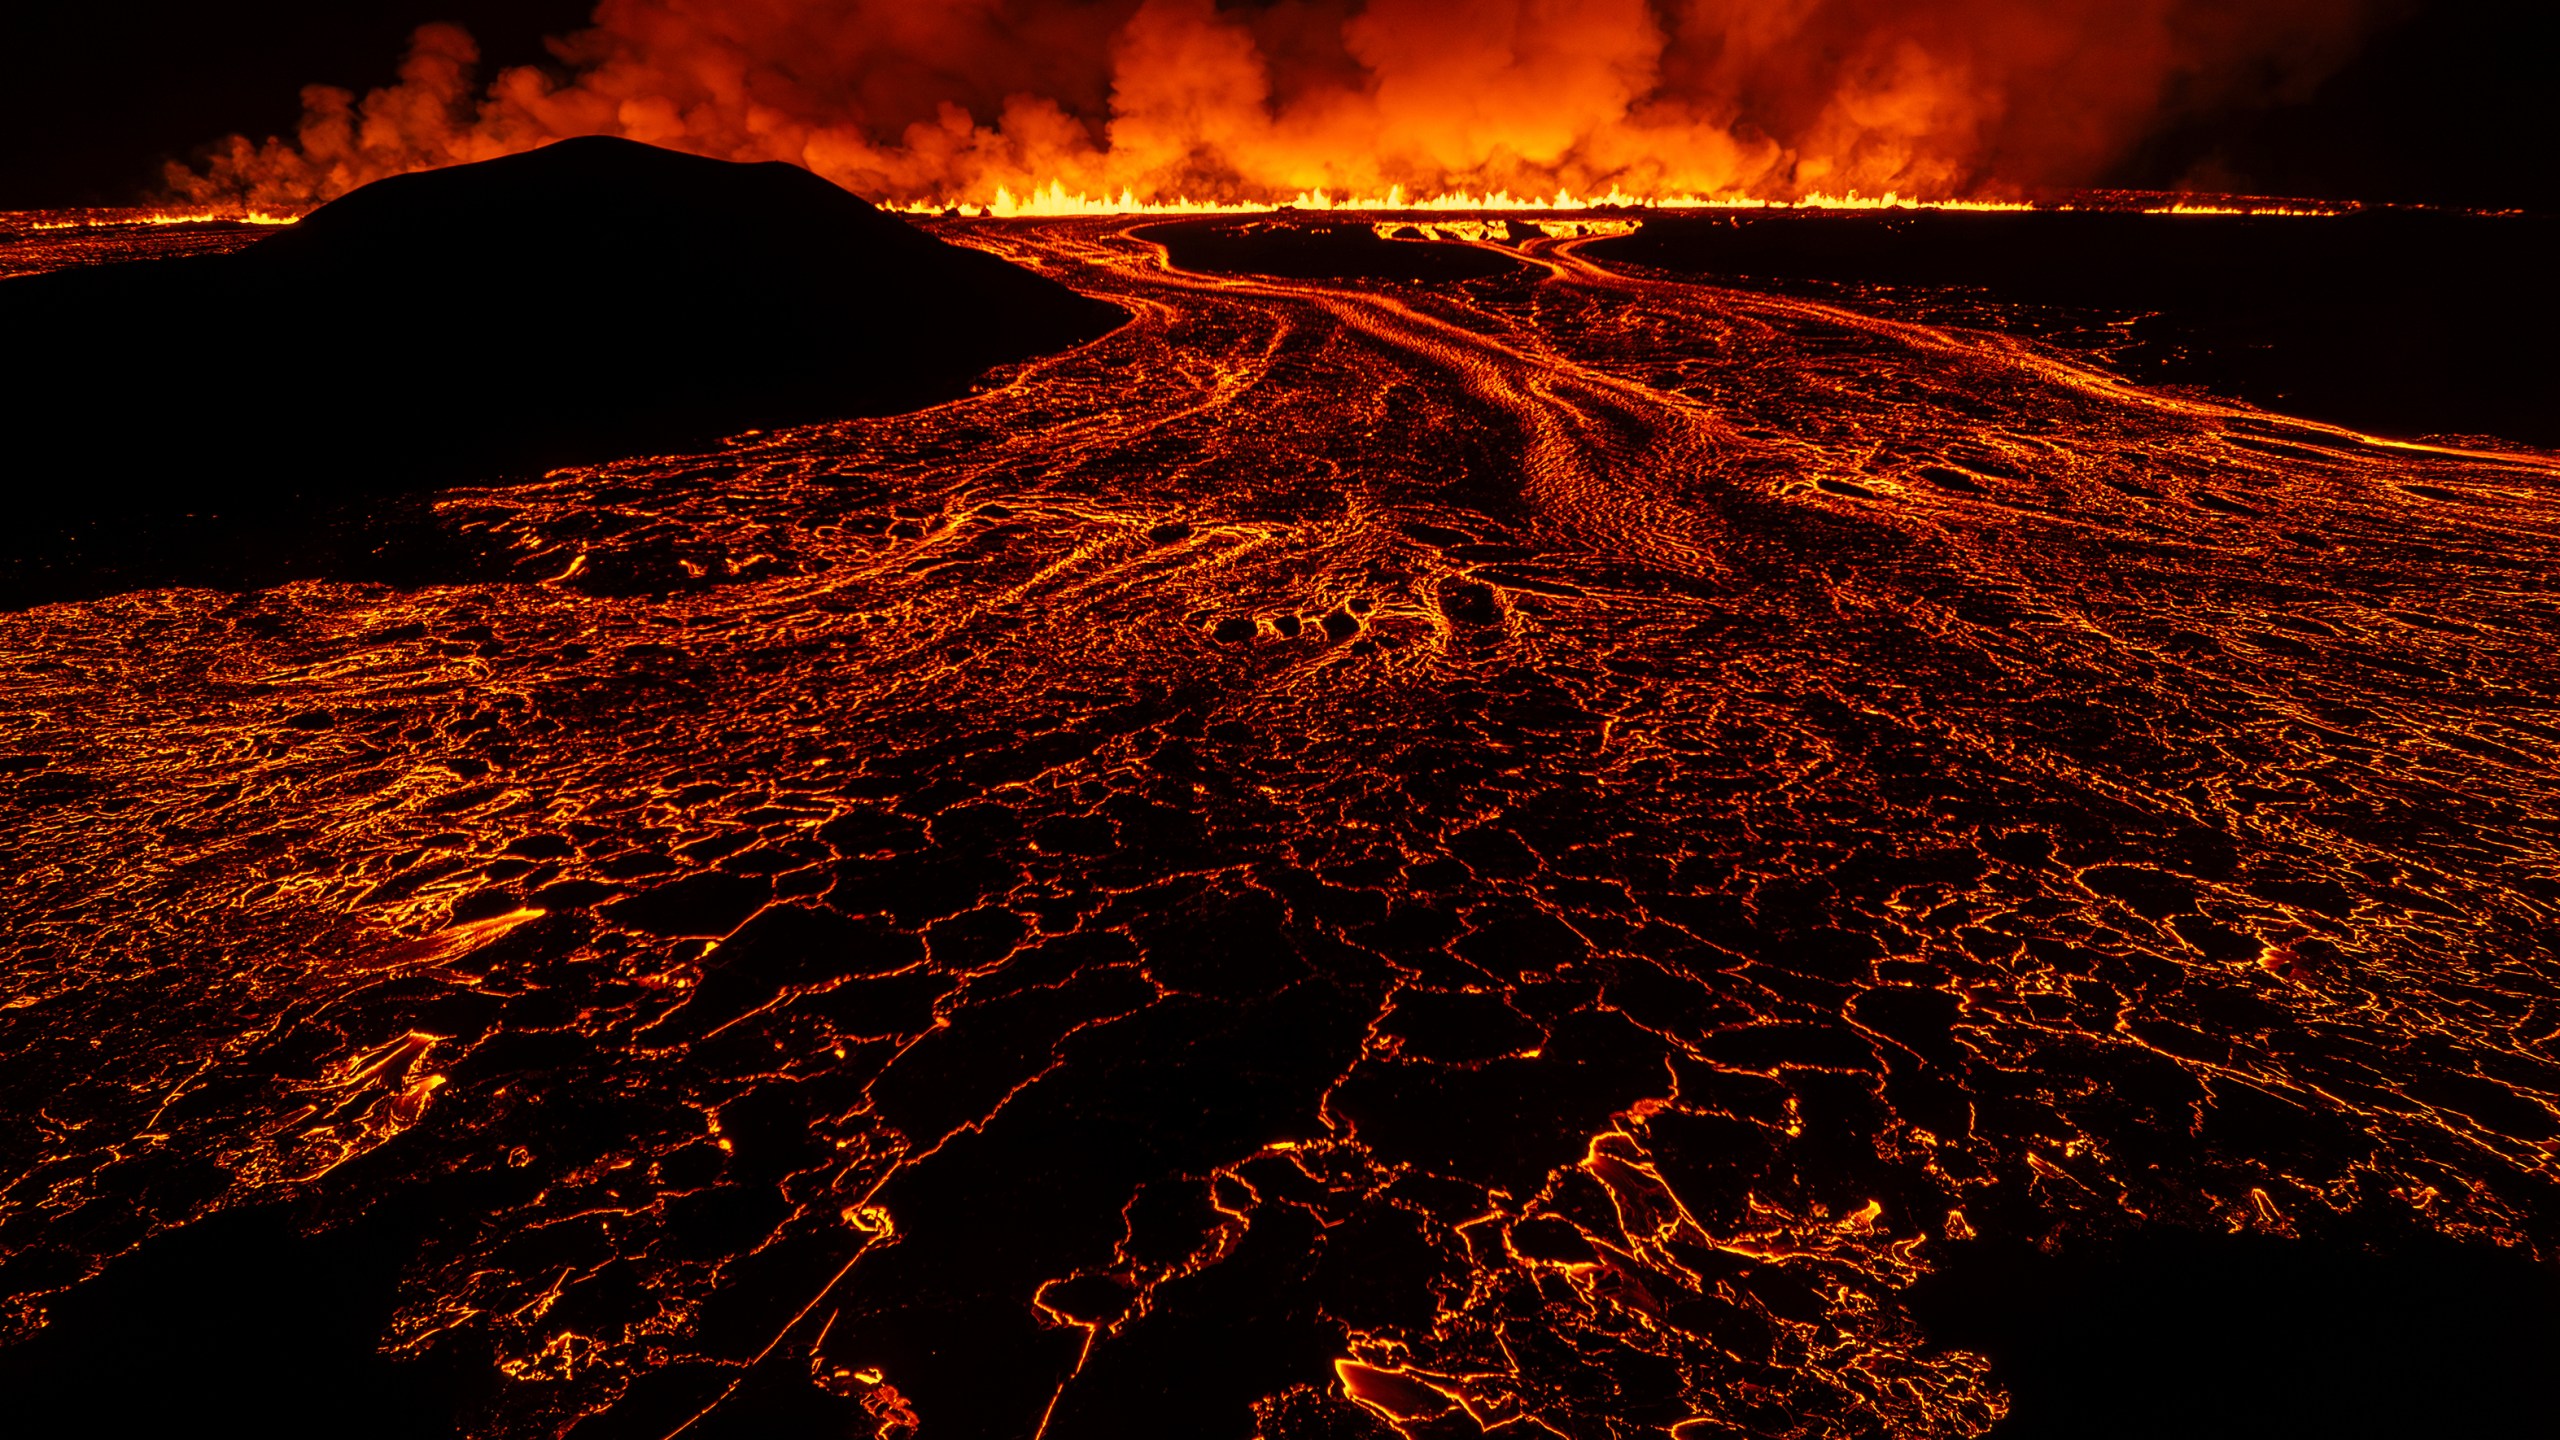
{"points": [[593, 298], [1319, 250], [2402, 321]]}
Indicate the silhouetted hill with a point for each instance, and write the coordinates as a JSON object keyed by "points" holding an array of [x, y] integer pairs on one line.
{"points": [[593, 298]]}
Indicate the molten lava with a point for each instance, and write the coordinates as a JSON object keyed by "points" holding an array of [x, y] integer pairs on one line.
{"points": [[1524, 853]]}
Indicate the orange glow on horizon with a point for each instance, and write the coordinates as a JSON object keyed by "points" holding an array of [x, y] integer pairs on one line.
{"points": [[1055, 201], [107, 219]]}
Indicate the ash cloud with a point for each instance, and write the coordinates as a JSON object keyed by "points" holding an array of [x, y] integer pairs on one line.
{"points": [[948, 100]]}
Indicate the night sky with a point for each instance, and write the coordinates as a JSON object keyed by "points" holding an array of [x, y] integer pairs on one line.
{"points": [[2450, 105], [96, 95]]}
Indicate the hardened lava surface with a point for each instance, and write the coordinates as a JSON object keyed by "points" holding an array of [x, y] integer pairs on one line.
{"points": [[1520, 853]]}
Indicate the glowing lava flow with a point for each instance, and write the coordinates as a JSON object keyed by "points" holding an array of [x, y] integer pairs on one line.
{"points": [[34, 241], [103, 219], [1054, 201], [1515, 854]]}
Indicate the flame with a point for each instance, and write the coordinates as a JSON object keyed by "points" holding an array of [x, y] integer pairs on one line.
{"points": [[109, 219], [1050, 107], [1055, 201], [2240, 207]]}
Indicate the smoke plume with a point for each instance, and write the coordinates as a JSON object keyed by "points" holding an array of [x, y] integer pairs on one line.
{"points": [[948, 100]]}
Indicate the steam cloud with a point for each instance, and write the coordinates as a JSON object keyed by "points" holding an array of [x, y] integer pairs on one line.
{"points": [[947, 100]]}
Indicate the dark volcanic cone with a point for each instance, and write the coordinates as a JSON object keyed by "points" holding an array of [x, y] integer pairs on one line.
{"points": [[593, 298]]}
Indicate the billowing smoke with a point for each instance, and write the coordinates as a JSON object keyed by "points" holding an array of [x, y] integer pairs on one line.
{"points": [[907, 100]]}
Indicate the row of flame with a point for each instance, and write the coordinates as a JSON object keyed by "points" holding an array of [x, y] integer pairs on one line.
{"points": [[1056, 202]]}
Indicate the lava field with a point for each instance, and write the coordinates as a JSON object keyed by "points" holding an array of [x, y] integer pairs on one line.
{"points": [[1528, 851]]}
